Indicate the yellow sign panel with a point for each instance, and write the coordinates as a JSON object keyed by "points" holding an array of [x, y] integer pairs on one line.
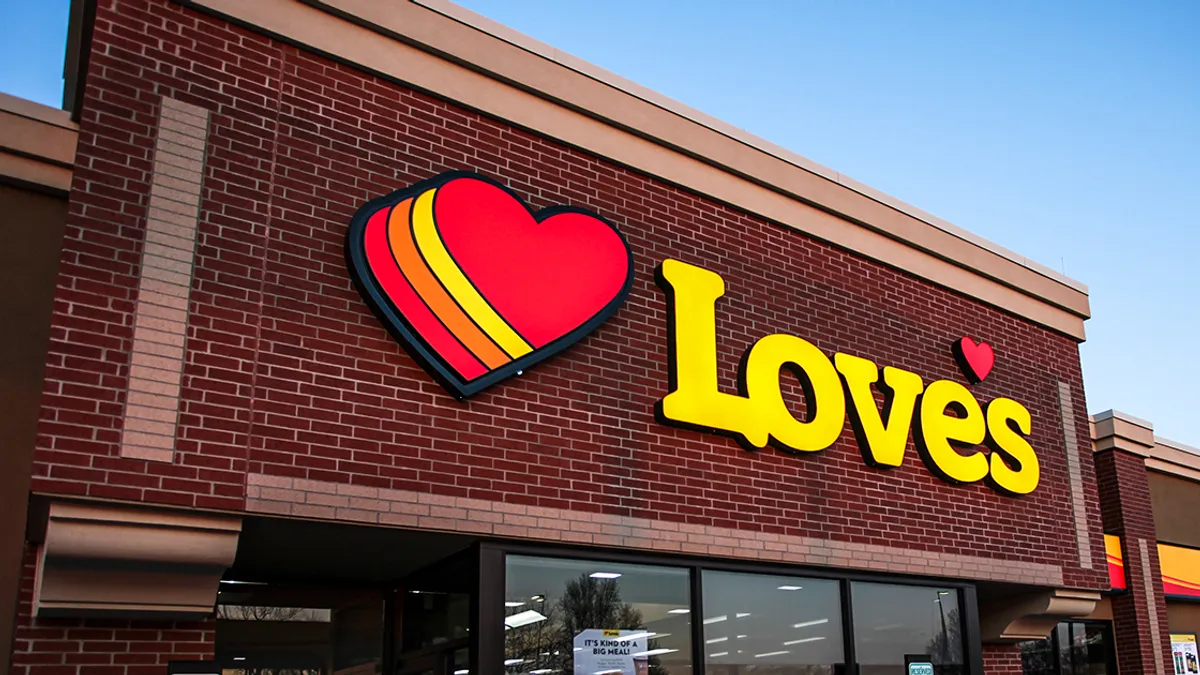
{"points": [[950, 423]]}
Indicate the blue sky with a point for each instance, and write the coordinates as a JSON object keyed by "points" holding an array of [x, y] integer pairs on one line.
{"points": [[1068, 132]]}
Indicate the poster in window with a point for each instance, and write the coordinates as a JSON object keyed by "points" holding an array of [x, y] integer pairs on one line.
{"points": [[1184, 653], [611, 652]]}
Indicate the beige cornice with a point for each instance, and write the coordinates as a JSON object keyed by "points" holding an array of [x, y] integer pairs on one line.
{"points": [[37, 144], [100, 560], [1032, 617], [1115, 430], [1175, 458], [469, 61]]}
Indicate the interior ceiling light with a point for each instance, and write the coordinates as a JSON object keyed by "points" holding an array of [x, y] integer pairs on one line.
{"points": [[681, 610], [789, 588], [760, 656], [605, 575], [713, 656], [655, 652], [796, 642], [513, 604], [741, 615], [523, 618], [715, 640], [806, 624], [715, 619]]}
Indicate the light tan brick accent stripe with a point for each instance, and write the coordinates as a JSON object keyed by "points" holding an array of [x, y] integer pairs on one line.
{"points": [[1151, 607], [160, 324], [339, 501], [1083, 538]]}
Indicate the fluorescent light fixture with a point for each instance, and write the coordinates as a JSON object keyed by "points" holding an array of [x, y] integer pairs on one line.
{"points": [[715, 619], [715, 640], [655, 652], [537, 598], [243, 583], [806, 624], [461, 672], [741, 637], [541, 671], [741, 615], [713, 656], [681, 610], [789, 643], [789, 588], [513, 662], [760, 656], [523, 618], [513, 604], [239, 658], [943, 592], [605, 575]]}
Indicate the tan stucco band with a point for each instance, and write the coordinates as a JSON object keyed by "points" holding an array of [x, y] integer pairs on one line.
{"points": [[322, 500], [466, 64], [37, 144]]}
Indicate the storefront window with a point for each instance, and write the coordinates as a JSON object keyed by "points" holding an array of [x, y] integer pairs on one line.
{"points": [[1074, 648], [264, 629], [892, 622], [567, 617], [771, 625]]}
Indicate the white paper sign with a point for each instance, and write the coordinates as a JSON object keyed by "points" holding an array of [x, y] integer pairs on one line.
{"points": [[612, 652]]}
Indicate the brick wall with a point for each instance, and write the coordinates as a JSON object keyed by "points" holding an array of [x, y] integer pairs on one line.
{"points": [[287, 373], [1140, 625], [1002, 660]]}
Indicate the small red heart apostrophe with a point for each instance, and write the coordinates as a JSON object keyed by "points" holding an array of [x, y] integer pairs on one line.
{"points": [[976, 360], [475, 285]]}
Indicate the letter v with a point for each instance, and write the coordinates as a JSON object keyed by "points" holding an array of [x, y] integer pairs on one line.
{"points": [[882, 443]]}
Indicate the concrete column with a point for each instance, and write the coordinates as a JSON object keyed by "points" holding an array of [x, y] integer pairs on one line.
{"points": [[1122, 443]]}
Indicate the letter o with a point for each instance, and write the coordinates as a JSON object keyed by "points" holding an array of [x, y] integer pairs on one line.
{"points": [[823, 395]]}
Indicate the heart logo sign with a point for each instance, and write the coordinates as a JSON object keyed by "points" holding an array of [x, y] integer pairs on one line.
{"points": [[475, 285], [976, 360]]}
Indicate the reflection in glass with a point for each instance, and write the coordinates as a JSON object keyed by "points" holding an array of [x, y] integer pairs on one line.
{"points": [[891, 621], [554, 606], [1073, 648], [264, 629], [1037, 657], [771, 625]]}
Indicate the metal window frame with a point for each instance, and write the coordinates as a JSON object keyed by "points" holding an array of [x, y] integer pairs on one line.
{"points": [[489, 655]]}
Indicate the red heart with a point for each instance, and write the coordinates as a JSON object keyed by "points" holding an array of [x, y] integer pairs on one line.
{"points": [[546, 275], [475, 285], [976, 360]]}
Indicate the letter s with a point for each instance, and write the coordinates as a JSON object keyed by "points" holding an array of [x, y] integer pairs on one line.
{"points": [[1008, 422]]}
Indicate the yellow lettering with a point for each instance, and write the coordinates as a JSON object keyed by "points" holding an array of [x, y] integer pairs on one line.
{"points": [[694, 400], [882, 443], [939, 432], [823, 398], [1008, 423]]}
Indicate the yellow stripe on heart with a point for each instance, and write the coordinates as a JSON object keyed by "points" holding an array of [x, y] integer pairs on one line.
{"points": [[456, 283]]}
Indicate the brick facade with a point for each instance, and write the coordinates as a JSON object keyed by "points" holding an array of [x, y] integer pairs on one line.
{"points": [[1140, 615], [287, 376]]}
